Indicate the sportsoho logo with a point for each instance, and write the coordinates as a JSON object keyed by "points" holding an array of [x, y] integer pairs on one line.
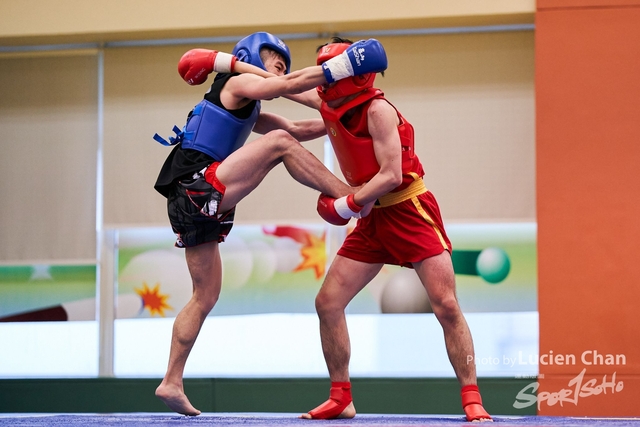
{"points": [[577, 388]]}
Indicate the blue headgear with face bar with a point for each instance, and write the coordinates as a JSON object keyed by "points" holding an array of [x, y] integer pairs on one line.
{"points": [[248, 49]]}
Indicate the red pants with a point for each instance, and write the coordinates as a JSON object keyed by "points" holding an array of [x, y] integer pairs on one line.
{"points": [[400, 234]]}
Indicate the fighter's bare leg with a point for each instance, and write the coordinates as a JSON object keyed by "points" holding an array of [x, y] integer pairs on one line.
{"points": [[245, 169], [344, 280], [437, 276], [206, 273]]}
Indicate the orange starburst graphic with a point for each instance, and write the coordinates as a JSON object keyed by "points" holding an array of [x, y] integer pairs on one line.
{"points": [[153, 299], [313, 248], [314, 254]]}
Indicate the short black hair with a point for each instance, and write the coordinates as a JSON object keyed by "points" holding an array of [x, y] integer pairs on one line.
{"points": [[334, 39]]}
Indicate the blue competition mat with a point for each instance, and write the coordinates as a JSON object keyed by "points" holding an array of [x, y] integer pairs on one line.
{"points": [[273, 419]]}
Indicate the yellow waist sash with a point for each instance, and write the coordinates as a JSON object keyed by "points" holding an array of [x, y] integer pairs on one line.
{"points": [[416, 188]]}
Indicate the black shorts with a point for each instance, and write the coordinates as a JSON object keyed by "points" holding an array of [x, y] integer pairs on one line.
{"points": [[193, 212]]}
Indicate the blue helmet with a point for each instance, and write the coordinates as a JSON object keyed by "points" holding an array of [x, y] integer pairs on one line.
{"points": [[248, 49]]}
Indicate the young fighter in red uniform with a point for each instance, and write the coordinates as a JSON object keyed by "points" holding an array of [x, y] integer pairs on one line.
{"points": [[374, 145], [399, 223]]}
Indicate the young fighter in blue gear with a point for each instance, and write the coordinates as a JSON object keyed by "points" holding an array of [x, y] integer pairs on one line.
{"points": [[374, 145], [210, 170]]}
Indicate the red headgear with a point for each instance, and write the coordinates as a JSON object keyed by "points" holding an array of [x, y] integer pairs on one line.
{"points": [[346, 86]]}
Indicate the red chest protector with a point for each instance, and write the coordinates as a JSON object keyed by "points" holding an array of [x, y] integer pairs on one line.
{"points": [[353, 144]]}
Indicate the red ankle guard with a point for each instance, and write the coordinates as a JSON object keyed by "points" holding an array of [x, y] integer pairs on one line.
{"points": [[339, 399], [472, 404]]}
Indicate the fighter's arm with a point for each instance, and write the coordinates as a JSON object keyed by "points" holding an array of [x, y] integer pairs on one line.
{"points": [[196, 64], [245, 67], [251, 86], [383, 127], [308, 98], [361, 58], [302, 130]]}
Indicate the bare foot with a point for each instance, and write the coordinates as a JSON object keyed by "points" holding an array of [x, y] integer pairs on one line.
{"points": [[176, 400], [348, 412]]}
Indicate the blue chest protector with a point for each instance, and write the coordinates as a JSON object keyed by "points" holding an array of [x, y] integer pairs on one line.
{"points": [[213, 130]]}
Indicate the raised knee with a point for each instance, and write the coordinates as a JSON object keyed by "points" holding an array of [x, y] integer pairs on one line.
{"points": [[281, 138], [281, 143]]}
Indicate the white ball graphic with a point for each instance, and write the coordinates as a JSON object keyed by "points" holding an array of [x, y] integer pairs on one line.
{"points": [[493, 265], [404, 293], [237, 262], [264, 261], [288, 255]]}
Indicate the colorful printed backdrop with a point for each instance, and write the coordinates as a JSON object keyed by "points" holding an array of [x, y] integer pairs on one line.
{"points": [[274, 269]]}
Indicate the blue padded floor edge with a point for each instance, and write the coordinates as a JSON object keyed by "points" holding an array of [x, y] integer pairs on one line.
{"points": [[279, 419]]}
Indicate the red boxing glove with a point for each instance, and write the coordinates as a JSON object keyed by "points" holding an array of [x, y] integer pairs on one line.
{"points": [[338, 211], [197, 64]]}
